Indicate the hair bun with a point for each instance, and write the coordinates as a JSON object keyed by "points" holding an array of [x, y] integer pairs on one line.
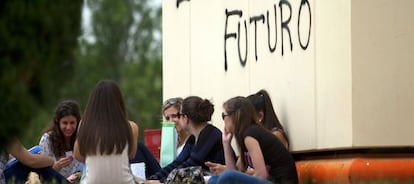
{"points": [[206, 109]]}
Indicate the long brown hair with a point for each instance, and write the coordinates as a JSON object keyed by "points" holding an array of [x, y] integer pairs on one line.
{"points": [[262, 102], [65, 108], [242, 112], [104, 128]]}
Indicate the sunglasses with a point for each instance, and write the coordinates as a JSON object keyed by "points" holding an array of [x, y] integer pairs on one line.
{"points": [[179, 114], [224, 115], [170, 101], [172, 116]]}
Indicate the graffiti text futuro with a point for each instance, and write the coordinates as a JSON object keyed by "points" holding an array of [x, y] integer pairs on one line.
{"points": [[284, 26]]}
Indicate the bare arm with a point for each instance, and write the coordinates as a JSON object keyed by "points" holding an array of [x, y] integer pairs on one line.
{"points": [[239, 165], [281, 138], [256, 155], [134, 128], [76, 152], [32, 160], [228, 151]]}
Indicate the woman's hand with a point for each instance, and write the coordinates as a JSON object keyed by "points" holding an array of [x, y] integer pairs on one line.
{"points": [[62, 162], [74, 177], [227, 136], [249, 171], [215, 168]]}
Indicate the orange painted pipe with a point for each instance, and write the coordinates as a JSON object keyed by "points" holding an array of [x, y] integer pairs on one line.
{"points": [[356, 170]]}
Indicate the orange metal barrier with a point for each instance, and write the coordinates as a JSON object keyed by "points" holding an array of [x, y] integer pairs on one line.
{"points": [[357, 170]]}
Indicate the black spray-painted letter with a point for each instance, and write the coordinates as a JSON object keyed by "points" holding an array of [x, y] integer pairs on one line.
{"points": [[272, 49], [303, 3], [255, 19], [230, 35], [179, 2], [285, 24]]}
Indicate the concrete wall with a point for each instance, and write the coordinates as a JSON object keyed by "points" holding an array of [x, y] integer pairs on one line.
{"points": [[314, 65], [383, 72]]}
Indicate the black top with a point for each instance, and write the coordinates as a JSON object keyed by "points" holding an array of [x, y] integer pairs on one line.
{"points": [[209, 147], [144, 155], [278, 160]]}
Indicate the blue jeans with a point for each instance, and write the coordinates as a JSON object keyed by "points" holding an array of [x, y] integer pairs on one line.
{"points": [[18, 173], [236, 177]]}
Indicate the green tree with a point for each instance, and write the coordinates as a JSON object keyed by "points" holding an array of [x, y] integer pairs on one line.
{"points": [[142, 76], [36, 58], [126, 47]]}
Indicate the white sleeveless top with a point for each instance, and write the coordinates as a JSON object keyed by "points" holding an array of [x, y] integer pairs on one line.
{"points": [[108, 169]]}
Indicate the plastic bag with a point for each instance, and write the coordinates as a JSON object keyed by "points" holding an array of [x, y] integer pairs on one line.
{"points": [[168, 143]]}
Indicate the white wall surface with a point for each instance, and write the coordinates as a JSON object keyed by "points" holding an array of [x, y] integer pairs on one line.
{"points": [[313, 86]]}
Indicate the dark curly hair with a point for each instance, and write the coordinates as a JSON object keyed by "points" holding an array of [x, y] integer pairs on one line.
{"points": [[65, 108], [197, 109]]}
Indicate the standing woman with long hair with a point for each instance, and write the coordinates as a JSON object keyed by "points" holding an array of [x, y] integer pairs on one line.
{"points": [[258, 147], [106, 139], [59, 139]]}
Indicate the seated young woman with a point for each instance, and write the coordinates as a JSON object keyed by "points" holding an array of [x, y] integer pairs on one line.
{"points": [[106, 140], [59, 138], [205, 142], [170, 109], [259, 149], [267, 118]]}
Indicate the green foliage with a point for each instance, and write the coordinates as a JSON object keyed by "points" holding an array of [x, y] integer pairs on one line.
{"points": [[125, 48], [44, 59], [143, 95], [36, 58]]}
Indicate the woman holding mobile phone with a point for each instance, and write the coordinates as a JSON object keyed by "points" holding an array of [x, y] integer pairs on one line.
{"points": [[58, 140]]}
